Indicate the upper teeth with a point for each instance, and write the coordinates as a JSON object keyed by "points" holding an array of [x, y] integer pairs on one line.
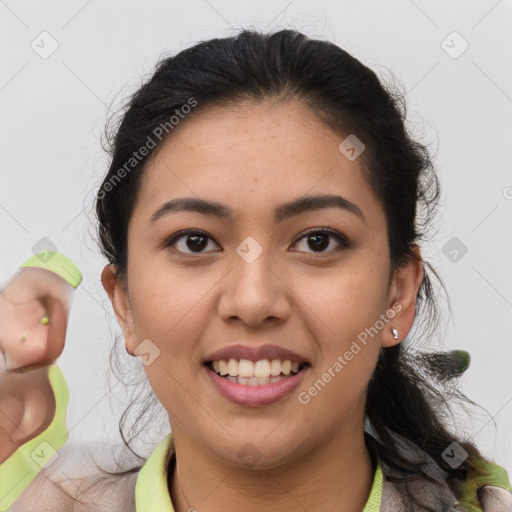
{"points": [[261, 369]]}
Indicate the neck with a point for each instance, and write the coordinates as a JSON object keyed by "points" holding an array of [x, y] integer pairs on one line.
{"points": [[334, 477]]}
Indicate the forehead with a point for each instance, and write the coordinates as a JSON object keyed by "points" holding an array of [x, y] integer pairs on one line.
{"points": [[253, 154]]}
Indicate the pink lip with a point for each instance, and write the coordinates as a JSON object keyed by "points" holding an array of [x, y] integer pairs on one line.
{"points": [[253, 353], [253, 396]]}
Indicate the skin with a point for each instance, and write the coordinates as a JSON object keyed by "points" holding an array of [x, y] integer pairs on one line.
{"points": [[27, 404], [254, 157]]}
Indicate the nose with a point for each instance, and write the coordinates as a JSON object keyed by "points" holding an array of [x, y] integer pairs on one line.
{"points": [[255, 292]]}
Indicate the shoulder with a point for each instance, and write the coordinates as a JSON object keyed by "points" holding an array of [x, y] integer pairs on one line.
{"points": [[489, 498], [487, 489], [74, 483], [495, 499]]}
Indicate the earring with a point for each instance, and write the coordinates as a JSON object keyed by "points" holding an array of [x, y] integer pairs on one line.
{"points": [[395, 333]]}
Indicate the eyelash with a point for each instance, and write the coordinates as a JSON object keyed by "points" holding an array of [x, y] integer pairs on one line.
{"points": [[341, 239]]}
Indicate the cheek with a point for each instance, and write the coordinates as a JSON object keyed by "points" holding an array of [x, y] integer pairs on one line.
{"points": [[343, 315], [172, 314], [170, 308], [343, 302], [342, 312]]}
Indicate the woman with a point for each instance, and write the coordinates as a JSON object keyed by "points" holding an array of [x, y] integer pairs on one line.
{"points": [[261, 217]]}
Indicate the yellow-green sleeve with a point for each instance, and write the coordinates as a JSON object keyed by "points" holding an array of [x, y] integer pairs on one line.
{"points": [[18, 471], [57, 263]]}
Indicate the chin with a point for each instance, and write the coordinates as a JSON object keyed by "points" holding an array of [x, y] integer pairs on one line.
{"points": [[261, 452]]}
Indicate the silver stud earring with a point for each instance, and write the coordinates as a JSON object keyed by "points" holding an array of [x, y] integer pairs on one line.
{"points": [[395, 333]]}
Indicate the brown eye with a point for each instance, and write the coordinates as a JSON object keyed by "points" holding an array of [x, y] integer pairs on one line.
{"points": [[188, 242], [320, 239]]}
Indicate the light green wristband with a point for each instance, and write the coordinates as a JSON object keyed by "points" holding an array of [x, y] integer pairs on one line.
{"points": [[18, 471], [57, 263]]}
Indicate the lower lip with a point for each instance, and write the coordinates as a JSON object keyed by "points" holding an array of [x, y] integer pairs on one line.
{"points": [[253, 396]]}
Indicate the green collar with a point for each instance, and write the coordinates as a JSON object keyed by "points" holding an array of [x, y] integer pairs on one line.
{"points": [[151, 492]]}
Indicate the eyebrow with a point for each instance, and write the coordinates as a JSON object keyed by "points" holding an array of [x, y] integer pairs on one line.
{"points": [[281, 212]]}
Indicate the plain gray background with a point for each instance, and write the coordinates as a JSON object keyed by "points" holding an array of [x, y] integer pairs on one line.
{"points": [[54, 106]]}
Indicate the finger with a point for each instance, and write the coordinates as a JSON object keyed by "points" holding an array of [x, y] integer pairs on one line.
{"points": [[37, 409], [57, 313], [11, 413]]}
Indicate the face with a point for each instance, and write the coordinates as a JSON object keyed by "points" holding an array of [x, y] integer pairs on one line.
{"points": [[256, 276]]}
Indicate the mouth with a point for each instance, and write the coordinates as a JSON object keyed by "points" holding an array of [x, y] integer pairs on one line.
{"points": [[258, 383], [255, 373]]}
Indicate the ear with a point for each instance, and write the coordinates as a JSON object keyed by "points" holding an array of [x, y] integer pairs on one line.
{"points": [[118, 294], [403, 290]]}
